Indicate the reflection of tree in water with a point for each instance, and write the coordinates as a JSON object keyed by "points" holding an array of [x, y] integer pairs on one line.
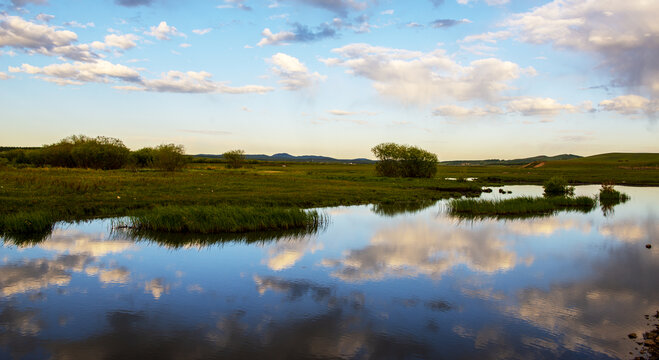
{"points": [[398, 208], [607, 204]]}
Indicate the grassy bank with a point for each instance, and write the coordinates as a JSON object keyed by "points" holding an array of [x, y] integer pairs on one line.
{"points": [[222, 219], [518, 207], [76, 194]]}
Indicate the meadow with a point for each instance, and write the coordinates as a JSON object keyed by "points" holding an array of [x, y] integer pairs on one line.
{"points": [[33, 198]]}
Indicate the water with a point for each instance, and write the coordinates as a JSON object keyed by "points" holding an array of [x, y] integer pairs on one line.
{"points": [[412, 285]]}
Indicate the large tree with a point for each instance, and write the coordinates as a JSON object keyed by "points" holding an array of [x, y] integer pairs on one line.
{"points": [[404, 161]]}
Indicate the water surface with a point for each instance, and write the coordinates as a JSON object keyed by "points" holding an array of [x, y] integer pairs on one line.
{"points": [[378, 282]]}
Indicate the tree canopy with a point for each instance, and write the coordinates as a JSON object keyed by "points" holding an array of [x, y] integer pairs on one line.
{"points": [[404, 161]]}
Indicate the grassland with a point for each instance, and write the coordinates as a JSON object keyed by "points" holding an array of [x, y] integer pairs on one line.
{"points": [[637, 169], [73, 194], [34, 198]]}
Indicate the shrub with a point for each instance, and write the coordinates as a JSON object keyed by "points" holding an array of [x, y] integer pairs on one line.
{"points": [[142, 158], [558, 186], [234, 158], [610, 196], [404, 161], [169, 157], [99, 153]]}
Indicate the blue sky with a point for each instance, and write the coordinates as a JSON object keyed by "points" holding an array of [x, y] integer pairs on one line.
{"points": [[464, 79]]}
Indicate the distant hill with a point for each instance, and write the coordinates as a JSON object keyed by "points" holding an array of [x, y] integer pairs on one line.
{"points": [[524, 161], [292, 158]]}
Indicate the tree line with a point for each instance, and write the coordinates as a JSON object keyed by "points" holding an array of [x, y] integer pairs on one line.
{"points": [[103, 153]]}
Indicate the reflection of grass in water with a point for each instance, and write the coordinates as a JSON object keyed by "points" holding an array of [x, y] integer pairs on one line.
{"points": [[222, 219], [178, 240], [397, 208], [521, 207], [21, 227], [609, 198]]}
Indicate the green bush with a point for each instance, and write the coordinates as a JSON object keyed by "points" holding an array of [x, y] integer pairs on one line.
{"points": [[169, 157], [234, 158], [404, 161], [558, 186], [142, 158], [99, 153]]}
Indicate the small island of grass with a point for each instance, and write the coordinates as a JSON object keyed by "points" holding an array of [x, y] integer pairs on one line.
{"points": [[222, 219], [518, 207]]}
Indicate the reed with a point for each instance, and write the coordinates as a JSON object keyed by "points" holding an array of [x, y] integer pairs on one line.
{"points": [[518, 207], [222, 219]]}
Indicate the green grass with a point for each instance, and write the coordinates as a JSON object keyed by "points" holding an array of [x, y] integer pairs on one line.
{"points": [[638, 169], [222, 219], [78, 194], [518, 207]]}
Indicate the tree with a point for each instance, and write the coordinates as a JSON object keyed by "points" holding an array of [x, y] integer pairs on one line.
{"points": [[404, 161], [234, 158], [169, 157]]}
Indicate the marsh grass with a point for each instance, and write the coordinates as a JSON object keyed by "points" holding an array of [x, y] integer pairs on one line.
{"points": [[518, 207], [222, 219], [34, 223]]}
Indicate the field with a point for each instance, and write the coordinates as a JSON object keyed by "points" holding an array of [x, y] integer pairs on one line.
{"points": [[38, 196]]}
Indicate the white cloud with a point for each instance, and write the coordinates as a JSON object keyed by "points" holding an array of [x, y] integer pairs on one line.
{"points": [[185, 45], [100, 71], [529, 106], [630, 105], [202, 31], [624, 35], [4, 76], [164, 31], [279, 38], [42, 39], [387, 12], [79, 25], [418, 77], [455, 111], [293, 74], [488, 37], [124, 42], [196, 82]]}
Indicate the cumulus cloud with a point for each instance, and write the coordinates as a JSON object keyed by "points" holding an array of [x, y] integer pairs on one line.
{"points": [[299, 33], [293, 74], [164, 31], [424, 77], [279, 38], [123, 42], [622, 34], [102, 71], [3, 76], [630, 105], [42, 39], [529, 106]]}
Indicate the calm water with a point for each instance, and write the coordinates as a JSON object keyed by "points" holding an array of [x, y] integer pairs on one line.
{"points": [[410, 285]]}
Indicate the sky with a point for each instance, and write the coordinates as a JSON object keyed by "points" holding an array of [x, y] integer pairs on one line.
{"points": [[465, 79]]}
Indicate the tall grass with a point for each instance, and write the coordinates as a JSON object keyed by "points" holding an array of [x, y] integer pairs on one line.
{"points": [[518, 207], [26, 226], [222, 219]]}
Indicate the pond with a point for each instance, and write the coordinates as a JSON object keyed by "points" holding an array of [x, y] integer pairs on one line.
{"points": [[377, 282]]}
